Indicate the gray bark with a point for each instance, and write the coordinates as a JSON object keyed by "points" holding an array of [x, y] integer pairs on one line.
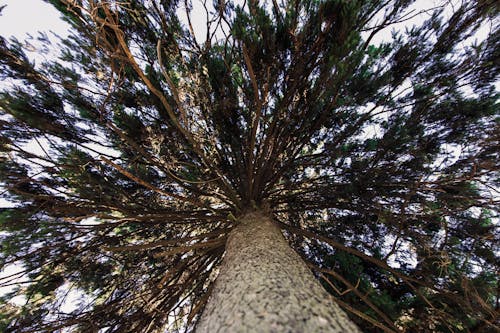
{"points": [[264, 286]]}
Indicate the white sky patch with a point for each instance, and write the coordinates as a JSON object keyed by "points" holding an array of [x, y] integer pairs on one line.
{"points": [[29, 20], [405, 252], [70, 297], [450, 153], [9, 272], [418, 12], [3, 202], [22, 17], [198, 17]]}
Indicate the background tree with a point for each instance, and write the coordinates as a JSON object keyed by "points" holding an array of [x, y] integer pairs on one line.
{"points": [[378, 160]]}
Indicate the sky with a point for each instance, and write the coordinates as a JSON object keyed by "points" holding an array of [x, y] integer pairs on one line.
{"points": [[24, 18], [21, 17]]}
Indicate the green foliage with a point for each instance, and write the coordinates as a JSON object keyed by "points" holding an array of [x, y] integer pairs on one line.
{"points": [[115, 164]]}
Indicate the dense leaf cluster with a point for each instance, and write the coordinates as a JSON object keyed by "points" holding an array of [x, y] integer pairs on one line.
{"points": [[128, 158]]}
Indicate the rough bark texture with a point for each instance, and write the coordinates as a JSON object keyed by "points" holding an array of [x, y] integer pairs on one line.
{"points": [[264, 286]]}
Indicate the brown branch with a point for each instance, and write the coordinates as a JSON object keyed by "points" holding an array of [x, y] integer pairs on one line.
{"points": [[408, 280], [181, 249], [255, 123], [355, 289], [168, 242], [347, 249], [200, 304], [171, 85], [131, 59], [148, 185], [112, 23], [363, 316]]}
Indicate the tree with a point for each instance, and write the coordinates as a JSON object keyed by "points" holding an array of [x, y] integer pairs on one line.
{"points": [[136, 158]]}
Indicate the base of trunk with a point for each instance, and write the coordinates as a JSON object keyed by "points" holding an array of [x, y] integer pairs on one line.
{"points": [[264, 286]]}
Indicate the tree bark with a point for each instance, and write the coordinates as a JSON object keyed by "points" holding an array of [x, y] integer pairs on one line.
{"points": [[264, 286]]}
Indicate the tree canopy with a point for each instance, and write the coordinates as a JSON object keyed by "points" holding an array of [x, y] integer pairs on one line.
{"points": [[128, 158]]}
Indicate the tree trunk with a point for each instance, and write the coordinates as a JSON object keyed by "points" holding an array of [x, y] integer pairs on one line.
{"points": [[264, 286]]}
